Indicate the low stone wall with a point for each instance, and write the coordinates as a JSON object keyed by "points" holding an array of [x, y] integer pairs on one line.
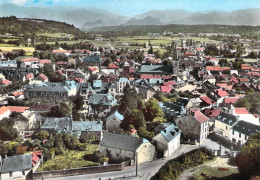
{"points": [[78, 171]]}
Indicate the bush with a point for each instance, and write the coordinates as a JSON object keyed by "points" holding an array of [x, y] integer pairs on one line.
{"points": [[173, 168]]}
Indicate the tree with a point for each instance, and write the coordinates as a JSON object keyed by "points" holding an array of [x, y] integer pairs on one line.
{"points": [[150, 51], [252, 55], [22, 52], [142, 132], [152, 110], [7, 130], [64, 109], [250, 101], [133, 117], [42, 135], [248, 159]]}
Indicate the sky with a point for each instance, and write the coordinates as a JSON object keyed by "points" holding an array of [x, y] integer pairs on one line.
{"points": [[134, 7]]}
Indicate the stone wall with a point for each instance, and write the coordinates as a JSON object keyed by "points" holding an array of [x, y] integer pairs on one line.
{"points": [[78, 171]]}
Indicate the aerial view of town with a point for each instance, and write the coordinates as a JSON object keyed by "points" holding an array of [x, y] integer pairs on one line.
{"points": [[130, 89]]}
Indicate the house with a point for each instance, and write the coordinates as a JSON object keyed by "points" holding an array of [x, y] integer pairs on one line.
{"points": [[81, 129], [158, 70], [19, 166], [5, 82], [39, 79], [123, 147], [39, 109], [194, 126], [100, 105], [241, 132], [121, 84], [8, 63], [168, 140], [176, 109], [52, 90], [146, 91], [92, 61], [223, 123], [243, 115], [4, 112], [113, 121]]}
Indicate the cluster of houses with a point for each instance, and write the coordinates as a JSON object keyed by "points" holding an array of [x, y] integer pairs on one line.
{"points": [[211, 108]]}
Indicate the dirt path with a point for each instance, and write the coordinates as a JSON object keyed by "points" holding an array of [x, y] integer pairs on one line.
{"points": [[219, 162]]}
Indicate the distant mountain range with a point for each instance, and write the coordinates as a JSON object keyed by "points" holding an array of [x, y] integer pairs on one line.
{"points": [[85, 18]]}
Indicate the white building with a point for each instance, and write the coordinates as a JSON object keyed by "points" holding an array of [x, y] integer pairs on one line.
{"points": [[168, 140], [240, 132], [121, 83]]}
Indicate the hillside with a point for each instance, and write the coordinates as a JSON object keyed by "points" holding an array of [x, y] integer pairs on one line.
{"points": [[17, 27], [143, 30]]}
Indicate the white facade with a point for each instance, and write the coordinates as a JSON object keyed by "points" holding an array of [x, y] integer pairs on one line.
{"points": [[237, 137], [15, 175]]}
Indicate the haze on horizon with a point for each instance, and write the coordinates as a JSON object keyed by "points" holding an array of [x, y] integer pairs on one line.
{"points": [[134, 7]]}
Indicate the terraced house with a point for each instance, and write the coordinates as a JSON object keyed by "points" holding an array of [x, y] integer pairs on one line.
{"points": [[52, 90]]}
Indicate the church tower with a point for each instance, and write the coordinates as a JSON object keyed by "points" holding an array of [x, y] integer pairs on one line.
{"points": [[175, 62]]}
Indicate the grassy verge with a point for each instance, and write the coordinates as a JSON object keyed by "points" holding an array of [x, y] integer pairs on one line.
{"points": [[69, 160], [214, 173]]}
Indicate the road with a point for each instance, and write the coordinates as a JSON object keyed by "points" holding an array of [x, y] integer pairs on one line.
{"points": [[145, 171]]}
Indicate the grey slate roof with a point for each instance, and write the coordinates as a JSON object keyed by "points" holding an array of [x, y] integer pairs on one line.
{"points": [[120, 141], [87, 126], [170, 132], [226, 118], [58, 124], [53, 86], [17, 163], [246, 128], [91, 59], [102, 99], [115, 114], [155, 69]]}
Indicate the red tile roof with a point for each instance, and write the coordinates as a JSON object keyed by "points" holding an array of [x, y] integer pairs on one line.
{"points": [[5, 82], [221, 93], [225, 86], [61, 51], [254, 74], [30, 60], [244, 80], [217, 68], [3, 110], [189, 53], [17, 93], [200, 117], [18, 109], [79, 80], [112, 66], [45, 62], [29, 76], [241, 111], [231, 100], [93, 68], [166, 89], [212, 112], [42, 76], [169, 83], [207, 100], [61, 63], [245, 66], [255, 69]]}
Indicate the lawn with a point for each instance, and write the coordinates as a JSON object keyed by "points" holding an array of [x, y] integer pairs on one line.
{"points": [[214, 173], [247, 60], [54, 35], [69, 160]]}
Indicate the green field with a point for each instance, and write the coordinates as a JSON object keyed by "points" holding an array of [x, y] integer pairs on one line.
{"points": [[54, 35], [214, 173], [141, 40], [244, 59], [7, 45], [69, 160]]}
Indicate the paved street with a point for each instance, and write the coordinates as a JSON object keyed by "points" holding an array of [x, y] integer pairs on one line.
{"points": [[145, 171]]}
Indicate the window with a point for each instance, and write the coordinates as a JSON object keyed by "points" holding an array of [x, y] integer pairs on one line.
{"points": [[23, 173], [226, 128], [233, 132], [10, 174], [245, 137], [240, 135], [180, 122]]}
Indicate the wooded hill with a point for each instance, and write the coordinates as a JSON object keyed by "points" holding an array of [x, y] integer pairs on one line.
{"points": [[18, 26]]}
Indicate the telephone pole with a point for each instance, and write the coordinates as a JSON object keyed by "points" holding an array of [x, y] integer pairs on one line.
{"points": [[136, 161]]}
